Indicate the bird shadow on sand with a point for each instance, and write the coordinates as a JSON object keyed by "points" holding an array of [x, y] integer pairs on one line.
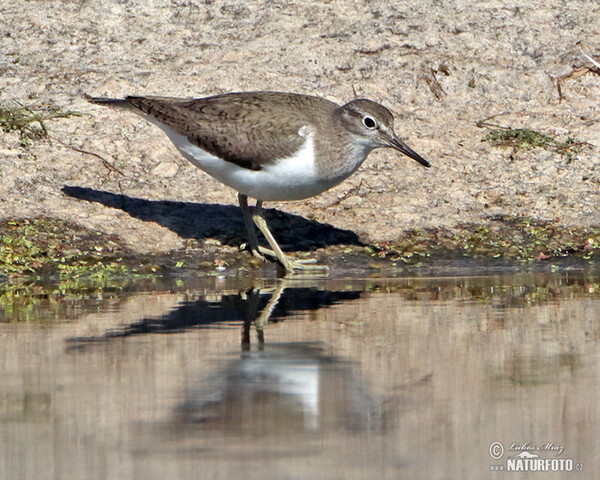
{"points": [[201, 221]]}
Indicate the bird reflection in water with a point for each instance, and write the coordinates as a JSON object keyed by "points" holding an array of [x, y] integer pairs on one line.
{"points": [[281, 388]]}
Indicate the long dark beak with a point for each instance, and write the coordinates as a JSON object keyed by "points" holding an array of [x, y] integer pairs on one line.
{"points": [[399, 145]]}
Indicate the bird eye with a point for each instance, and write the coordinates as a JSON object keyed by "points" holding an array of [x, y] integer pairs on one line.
{"points": [[369, 122]]}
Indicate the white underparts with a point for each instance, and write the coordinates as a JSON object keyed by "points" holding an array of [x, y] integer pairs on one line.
{"points": [[291, 178]]}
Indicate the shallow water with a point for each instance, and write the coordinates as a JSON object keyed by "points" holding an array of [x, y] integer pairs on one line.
{"points": [[242, 378]]}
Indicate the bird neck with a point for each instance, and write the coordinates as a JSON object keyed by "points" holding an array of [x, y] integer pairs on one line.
{"points": [[339, 159]]}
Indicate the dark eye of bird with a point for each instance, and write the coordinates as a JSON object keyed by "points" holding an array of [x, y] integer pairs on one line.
{"points": [[369, 122]]}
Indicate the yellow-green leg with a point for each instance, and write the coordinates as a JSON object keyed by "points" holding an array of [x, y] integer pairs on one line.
{"points": [[289, 263]]}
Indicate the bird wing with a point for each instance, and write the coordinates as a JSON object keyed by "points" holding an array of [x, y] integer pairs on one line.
{"points": [[244, 129]]}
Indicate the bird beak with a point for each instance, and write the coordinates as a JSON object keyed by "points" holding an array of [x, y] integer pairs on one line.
{"points": [[399, 145]]}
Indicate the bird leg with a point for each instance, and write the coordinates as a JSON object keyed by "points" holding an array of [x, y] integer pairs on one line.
{"points": [[288, 262], [252, 245], [256, 217]]}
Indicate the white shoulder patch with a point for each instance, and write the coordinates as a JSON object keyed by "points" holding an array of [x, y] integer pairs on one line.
{"points": [[305, 131]]}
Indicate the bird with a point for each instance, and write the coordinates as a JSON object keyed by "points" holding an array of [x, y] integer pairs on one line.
{"points": [[271, 146]]}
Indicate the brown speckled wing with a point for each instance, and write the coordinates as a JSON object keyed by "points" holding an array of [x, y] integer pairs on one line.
{"points": [[248, 129]]}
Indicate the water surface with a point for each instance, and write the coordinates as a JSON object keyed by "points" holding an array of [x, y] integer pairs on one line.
{"points": [[335, 378]]}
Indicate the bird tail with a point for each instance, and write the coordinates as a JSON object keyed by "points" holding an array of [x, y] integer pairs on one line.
{"points": [[110, 102]]}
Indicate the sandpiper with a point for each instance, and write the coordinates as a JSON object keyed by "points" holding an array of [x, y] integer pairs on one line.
{"points": [[271, 146]]}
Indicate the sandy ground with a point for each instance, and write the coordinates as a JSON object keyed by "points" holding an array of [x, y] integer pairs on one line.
{"points": [[439, 66]]}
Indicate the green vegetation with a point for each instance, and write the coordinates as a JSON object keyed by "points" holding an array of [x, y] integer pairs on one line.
{"points": [[504, 237], [527, 138], [29, 121], [48, 265], [53, 247]]}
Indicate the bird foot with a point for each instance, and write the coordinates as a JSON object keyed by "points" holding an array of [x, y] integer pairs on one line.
{"points": [[288, 262], [259, 252], [308, 265]]}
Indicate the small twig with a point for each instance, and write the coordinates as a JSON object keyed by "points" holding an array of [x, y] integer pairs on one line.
{"points": [[484, 123], [433, 83], [590, 58], [559, 89], [373, 51], [349, 192], [106, 163], [593, 66]]}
